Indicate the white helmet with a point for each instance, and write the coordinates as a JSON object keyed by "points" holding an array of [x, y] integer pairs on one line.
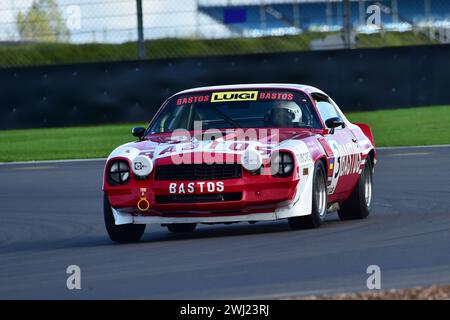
{"points": [[293, 110]]}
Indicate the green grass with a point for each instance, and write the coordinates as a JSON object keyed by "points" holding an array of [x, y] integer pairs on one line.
{"points": [[12, 55], [393, 39], [399, 127], [62, 143], [407, 127]]}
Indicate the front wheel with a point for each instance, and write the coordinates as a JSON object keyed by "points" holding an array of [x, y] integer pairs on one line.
{"points": [[120, 233], [319, 202], [359, 204]]}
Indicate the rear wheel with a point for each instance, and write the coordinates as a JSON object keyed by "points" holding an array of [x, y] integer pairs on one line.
{"points": [[319, 202], [120, 233], [359, 204], [181, 227]]}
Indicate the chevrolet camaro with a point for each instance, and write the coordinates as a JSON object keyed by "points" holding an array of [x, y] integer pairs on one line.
{"points": [[235, 153]]}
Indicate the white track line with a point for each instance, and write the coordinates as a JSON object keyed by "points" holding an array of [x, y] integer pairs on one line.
{"points": [[416, 147], [52, 161], [104, 159]]}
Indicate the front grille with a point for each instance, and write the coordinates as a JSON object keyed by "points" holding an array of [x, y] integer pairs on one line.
{"points": [[193, 198], [198, 172]]}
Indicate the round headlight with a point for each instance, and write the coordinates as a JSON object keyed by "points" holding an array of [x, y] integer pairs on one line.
{"points": [[251, 160], [282, 164], [119, 172], [142, 166]]}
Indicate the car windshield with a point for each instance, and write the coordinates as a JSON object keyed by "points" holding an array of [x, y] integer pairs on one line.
{"points": [[256, 108]]}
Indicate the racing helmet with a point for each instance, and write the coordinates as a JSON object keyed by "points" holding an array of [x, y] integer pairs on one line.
{"points": [[284, 114]]}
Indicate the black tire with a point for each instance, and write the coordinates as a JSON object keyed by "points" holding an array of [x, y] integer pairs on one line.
{"points": [[358, 205], [319, 205], [181, 227], [120, 233]]}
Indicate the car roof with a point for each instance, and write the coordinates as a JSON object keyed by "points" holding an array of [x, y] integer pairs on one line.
{"points": [[305, 88]]}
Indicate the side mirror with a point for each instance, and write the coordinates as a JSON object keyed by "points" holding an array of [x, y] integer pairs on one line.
{"points": [[333, 123], [138, 132]]}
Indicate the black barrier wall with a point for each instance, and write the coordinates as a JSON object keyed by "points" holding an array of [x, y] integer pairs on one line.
{"points": [[102, 93]]}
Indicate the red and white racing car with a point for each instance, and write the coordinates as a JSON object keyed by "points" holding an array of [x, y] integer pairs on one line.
{"points": [[256, 152]]}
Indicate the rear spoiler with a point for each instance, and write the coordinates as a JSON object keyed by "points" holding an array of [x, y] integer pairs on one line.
{"points": [[366, 130]]}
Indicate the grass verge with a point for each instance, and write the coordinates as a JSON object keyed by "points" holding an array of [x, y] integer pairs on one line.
{"points": [[407, 127], [399, 127], [12, 55]]}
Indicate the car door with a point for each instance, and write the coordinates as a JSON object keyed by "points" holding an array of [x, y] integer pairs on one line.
{"points": [[344, 156]]}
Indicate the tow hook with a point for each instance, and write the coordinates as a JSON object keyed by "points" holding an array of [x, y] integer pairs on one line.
{"points": [[143, 203]]}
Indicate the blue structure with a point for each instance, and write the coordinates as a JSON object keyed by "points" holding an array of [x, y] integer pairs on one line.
{"points": [[322, 15]]}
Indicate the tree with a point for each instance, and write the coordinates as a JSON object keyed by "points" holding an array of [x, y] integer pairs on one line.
{"points": [[42, 22]]}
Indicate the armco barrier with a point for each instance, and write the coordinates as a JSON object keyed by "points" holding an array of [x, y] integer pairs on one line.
{"points": [[100, 93]]}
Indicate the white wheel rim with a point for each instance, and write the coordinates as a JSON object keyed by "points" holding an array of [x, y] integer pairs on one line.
{"points": [[320, 194], [368, 186]]}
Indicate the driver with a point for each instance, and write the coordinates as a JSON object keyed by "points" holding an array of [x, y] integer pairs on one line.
{"points": [[285, 114]]}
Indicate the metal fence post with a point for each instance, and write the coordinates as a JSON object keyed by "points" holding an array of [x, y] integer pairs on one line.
{"points": [[140, 30], [347, 25]]}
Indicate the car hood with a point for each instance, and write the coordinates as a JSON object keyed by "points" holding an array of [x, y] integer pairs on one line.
{"points": [[162, 145]]}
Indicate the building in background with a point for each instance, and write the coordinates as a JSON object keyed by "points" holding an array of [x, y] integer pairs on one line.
{"points": [[114, 21]]}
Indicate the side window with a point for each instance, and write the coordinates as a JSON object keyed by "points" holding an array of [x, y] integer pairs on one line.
{"points": [[326, 110]]}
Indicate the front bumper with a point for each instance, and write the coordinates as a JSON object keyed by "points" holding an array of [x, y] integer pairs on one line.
{"points": [[259, 197], [259, 194]]}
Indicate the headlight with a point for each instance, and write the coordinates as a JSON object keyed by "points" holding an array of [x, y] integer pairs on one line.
{"points": [[282, 164], [142, 166], [119, 172], [251, 160]]}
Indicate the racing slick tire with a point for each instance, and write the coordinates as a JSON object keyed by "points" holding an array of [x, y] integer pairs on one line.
{"points": [[319, 202], [120, 233], [359, 204], [181, 227]]}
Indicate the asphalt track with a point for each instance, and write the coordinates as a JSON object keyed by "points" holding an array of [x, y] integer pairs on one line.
{"points": [[51, 217]]}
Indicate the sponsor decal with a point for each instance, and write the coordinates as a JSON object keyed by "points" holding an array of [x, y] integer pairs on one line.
{"points": [[304, 157], [168, 150], [224, 148], [268, 95], [190, 187], [264, 150], [234, 96], [346, 162], [239, 146], [142, 165], [349, 160], [192, 99], [149, 154], [219, 146], [139, 166]]}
